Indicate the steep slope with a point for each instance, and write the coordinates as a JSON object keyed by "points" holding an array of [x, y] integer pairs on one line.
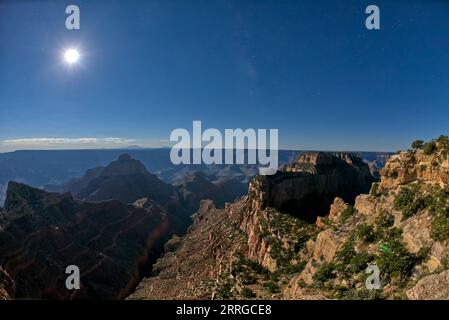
{"points": [[250, 247], [252, 250], [402, 227], [42, 233]]}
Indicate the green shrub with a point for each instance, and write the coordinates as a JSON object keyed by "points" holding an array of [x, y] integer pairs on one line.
{"points": [[274, 276], [413, 208], [360, 261], [325, 272], [255, 266], [439, 229], [271, 286], [342, 293], [349, 261], [443, 144], [417, 144], [374, 189], [438, 205], [365, 233], [423, 253], [347, 213], [409, 201], [297, 268], [395, 260], [247, 293], [429, 147], [397, 264], [225, 291], [346, 253], [247, 278], [392, 234], [384, 220], [405, 197]]}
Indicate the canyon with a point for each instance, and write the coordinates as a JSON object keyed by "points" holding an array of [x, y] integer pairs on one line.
{"points": [[252, 250], [253, 231], [41, 233], [111, 222], [49, 169], [114, 222]]}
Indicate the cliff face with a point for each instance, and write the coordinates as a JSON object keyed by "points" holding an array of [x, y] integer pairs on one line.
{"points": [[407, 167], [253, 250], [42, 233], [402, 227], [307, 187]]}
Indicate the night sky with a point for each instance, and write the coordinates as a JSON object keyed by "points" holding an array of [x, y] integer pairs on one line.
{"points": [[308, 68]]}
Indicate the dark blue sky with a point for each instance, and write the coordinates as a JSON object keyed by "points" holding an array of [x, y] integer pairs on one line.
{"points": [[309, 68]]}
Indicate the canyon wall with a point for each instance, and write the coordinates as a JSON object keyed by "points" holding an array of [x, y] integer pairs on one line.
{"points": [[42, 233]]}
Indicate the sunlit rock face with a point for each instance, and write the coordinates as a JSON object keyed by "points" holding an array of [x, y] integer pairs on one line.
{"points": [[406, 167]]}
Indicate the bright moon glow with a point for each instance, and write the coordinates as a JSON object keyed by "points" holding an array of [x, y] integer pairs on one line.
{"points": [[71, 56]]}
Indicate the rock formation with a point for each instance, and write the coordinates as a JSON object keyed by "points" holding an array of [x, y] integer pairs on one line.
{"points": [[307, 187], [254, 249], [401, 227], [125, 179], [113, 243], [42, 233], [251, 241]]}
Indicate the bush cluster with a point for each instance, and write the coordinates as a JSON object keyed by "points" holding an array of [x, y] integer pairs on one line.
{"points": [[409, 201], [365, 233], [394, 260], [384, 220], [347, 213]]}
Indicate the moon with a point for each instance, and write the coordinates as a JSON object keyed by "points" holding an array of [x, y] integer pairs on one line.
{"points": [[71, 56]]}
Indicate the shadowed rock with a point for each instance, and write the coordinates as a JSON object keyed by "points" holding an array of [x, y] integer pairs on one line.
{"points": [[42, 233]]}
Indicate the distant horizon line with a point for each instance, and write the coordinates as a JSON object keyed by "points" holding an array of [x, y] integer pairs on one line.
{"points": [[138, 148]]}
